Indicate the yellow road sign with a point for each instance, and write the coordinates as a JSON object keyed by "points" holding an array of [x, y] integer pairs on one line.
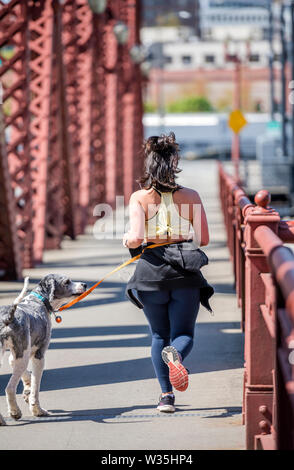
{"points": [[237, 121]]}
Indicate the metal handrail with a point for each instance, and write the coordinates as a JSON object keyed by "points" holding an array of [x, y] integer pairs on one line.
{"points": [[264, 280]]}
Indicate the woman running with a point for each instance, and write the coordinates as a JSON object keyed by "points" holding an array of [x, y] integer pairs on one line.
{"points": [[168, 280]]}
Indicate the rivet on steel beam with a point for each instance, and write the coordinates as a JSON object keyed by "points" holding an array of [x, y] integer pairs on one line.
{"points": [[264, 427], [263, 409]]}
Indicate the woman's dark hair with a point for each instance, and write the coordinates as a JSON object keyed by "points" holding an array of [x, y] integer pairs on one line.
{"points": [[161, 162]]}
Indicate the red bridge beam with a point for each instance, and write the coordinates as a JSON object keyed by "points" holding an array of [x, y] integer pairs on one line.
{"points": [[14, 76], [286, 231], [72, 121], [281, 261], [41, 49], [10, 254], [264, 276], [98, 88]]}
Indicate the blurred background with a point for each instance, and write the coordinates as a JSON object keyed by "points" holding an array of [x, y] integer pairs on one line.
{"points": [[206, 58]]}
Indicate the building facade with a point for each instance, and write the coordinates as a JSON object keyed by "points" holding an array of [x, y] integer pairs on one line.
{"points": [[222, 19], [171, 13]]}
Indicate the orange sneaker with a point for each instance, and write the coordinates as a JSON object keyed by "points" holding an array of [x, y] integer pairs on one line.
{"points": [[178, 375]]}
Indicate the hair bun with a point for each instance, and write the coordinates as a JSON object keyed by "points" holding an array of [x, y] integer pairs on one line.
{"points": [[162, 144], [165, 141]]}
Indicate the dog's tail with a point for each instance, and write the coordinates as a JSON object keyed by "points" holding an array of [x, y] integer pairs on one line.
{"points": [[10, 314], [23, 292]]}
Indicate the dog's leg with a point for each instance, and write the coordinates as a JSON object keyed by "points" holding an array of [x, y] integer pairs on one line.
{"points": [[26, 380], [19, 366], [37, 371]]}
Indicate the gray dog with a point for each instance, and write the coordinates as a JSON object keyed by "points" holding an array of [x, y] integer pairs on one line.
{"points": [[25, 329]]}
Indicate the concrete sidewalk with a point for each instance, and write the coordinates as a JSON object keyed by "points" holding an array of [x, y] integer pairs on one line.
{"points": [[99, 382]]}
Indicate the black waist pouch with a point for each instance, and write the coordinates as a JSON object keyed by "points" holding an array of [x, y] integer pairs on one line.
{"points": [[135, 251], [185, 256]]}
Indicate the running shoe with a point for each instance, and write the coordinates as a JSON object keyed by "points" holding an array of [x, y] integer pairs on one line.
{"points": [[166, 404], [178, 374]]}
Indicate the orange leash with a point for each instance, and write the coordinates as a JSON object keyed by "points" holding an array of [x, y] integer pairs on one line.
{"points": [[88, 291]]}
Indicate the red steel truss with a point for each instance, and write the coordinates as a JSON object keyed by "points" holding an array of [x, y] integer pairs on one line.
{"points": [[11, 260], [98, 125], [71, 127], [41, 48], [14, 75], [84, 77]]}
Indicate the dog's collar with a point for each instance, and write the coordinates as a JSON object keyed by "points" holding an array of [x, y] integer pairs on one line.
{"points": [[44, 300]]}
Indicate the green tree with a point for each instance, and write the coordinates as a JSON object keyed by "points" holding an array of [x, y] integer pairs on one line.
{"points": [[149, 107], [190, 104]]}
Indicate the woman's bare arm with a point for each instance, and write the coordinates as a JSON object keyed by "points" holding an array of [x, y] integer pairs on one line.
{"points": [[199, 222], [135, 235]]}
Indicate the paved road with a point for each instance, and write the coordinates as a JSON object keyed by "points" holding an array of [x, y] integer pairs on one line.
{"points": [[99, 383]]}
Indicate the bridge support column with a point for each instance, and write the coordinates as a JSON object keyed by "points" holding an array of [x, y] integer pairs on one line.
{"points": [[85, 60], [10, 254], [14, 75], [98, 126], [259, 345], [41, 47], [111, 111]]}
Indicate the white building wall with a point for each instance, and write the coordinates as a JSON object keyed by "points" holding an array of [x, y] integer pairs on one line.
{"points": [[254, 53]]}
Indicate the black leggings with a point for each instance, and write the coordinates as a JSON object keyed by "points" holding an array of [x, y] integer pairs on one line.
{"points": [[171, 316]]}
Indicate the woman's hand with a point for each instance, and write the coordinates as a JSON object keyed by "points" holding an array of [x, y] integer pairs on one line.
{"points": [[125, 239]]}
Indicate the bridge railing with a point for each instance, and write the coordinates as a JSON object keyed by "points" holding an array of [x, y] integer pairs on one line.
{"points": [[264, 280]]}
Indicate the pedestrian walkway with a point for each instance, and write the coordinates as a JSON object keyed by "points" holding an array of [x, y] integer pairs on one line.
{"points": [[99, 382]]}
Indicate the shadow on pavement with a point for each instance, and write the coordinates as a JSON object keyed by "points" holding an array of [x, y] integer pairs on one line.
{"points": [[115, 293], [101, 415], [87, 262], [223, 288], [102, 331], [218, 346]]}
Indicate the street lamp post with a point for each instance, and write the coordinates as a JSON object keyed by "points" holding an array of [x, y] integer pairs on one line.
{"points": [[160, 90], [237, 105], [292, 103], [271, 61], [235, 150], [283, 81]]}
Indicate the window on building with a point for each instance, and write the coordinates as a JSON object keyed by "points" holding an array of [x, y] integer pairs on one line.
{"points": [[231, 58], [254, 58], [186, 59], [168, 59], [208, 32], [209, 59]]}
